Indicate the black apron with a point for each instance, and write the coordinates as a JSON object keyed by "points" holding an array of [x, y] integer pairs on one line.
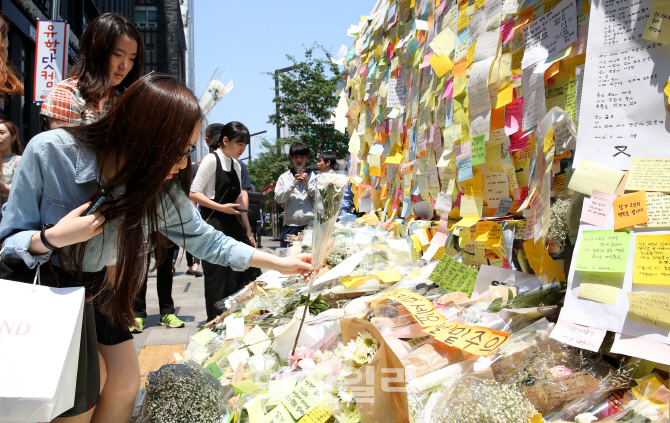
{"points": [[220, 281]]}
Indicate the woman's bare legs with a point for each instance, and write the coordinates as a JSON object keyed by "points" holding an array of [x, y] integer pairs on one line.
{"points": [[123, 380]]}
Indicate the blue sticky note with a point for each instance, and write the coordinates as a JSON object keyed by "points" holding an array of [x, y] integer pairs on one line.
{"points": [[412, 45], [406, 209], [351, 55], [464, 169], [462, 36]]}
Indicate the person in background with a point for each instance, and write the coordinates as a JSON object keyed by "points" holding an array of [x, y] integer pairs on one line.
{"points": [[10, 84], [296, 189], [10, 151], [218, 189], [193, 262], [326, 161], [111, 52], [139, 160]]}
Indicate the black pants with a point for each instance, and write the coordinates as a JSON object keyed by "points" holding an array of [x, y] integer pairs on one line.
{"points": [[190, 259], [289, 230], [164, 279]]}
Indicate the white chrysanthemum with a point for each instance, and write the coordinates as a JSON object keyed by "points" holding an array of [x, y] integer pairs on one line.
{"points": [[335, 179]]}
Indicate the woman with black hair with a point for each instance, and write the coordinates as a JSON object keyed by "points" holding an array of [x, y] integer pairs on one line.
{"points": [[138, 161], [218, 189], [111, 53]]}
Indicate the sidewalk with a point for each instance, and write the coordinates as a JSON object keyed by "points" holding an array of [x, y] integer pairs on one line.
{"points": [[188, 293]]}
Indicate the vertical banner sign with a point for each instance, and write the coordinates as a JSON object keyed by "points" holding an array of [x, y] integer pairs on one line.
{"points": [[50, 57]]}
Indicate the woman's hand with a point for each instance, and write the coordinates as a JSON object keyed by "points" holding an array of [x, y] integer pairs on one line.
{"points": [[253, 240], [297, 264], [229, 208], [75, 228]]}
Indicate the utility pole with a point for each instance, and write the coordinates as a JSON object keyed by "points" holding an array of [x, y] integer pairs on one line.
{"points": [[54, 10], [250, 136], [277, 72]]}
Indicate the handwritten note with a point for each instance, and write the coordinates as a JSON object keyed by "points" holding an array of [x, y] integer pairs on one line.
{"points": [[453, 276], [652, 258], [602, 287], [630, 210], [279, 388], [579, 336], [650, 308], [279, 414], [421, 308], [591, 176], [540, 260], [550, 33], [603, 251], [304, 397], [235, 328], [473, 339], [599, 208], [317, 415], [649, 175], [478, 150], [658, 209], [204, 336], [257, 340], [547, 395]]}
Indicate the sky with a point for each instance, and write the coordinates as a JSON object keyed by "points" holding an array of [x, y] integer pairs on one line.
{"points": [[250, 38]]}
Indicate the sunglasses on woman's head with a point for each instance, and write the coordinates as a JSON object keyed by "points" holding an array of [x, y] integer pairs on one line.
{"points": [[188, 153]]}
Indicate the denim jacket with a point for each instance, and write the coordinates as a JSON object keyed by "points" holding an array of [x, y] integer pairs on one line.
{"points": [[57, 175]]}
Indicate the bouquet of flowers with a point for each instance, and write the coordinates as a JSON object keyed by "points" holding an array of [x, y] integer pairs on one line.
{"points": [[344, 248], [217, 88], [329, 196]]}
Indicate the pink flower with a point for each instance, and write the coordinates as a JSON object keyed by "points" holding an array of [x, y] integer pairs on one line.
{"points": [[560, 371], [300, 354]]}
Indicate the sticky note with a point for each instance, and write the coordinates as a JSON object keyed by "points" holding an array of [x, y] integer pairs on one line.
{"points": [[601, 287], [420, 307], [599, 208], [630, 210], [353, 281], [540, 260], [279, 388], [237, 357], [441, 64], [304, 397], [467, 221], [257, 340], [389, 276], [246, 386], [472, 206], [658, 209], [214, 370], [649, 308], [652, 252], [549, 140], [505, 95], [649, 175], [279, 414], [591, 176], [453, 276], [657, 28], [316, 415], [204, 336], [235, 328], [603, 251], [478, 149]]}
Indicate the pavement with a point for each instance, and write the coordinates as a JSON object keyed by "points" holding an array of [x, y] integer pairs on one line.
{"points": [[188, 293]]}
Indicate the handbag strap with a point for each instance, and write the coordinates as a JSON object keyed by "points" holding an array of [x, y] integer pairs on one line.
{"points": [[38, 278]]}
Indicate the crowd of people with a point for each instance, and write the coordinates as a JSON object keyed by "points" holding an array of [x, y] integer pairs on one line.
{"points": [[101, 144]]}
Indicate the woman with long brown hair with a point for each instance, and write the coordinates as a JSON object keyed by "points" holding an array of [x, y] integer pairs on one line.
{"points": [[111, 52], [10, 84], [136, 154], [10, 152]]}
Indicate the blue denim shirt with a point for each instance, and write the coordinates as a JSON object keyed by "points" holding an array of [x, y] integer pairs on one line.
{"points": [[56, 175]]}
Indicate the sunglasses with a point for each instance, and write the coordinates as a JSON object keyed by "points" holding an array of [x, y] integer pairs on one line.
{"points": [[188, 153]]}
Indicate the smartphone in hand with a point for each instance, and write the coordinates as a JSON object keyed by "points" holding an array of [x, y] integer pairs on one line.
{"points": [[96, 202]]}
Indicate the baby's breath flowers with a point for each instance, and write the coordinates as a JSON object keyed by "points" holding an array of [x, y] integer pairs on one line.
{"points": [[183, 397], [558, 222], [344, 248], [474, 401]]}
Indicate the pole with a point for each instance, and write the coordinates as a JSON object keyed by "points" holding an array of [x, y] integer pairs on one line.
{"points": [[54, 10], [277, 72], [251, 136]]}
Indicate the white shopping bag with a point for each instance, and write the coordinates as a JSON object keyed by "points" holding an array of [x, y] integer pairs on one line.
{"points": [[40, 331]]}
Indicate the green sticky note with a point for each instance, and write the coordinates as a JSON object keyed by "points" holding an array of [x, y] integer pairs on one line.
{"points": [[478, 149], [601, 287], [603, 251], [279, 414], [214, 370], [453, 276], [245, 386], [204, 336]]}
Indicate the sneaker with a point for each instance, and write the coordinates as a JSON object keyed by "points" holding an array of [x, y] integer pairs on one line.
{"points": [[197, 274], [139, 327], [171, 321]]}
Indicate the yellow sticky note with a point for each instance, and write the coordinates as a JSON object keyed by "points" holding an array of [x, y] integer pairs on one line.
{"points": [[549, 140], [591, 176], [603, 251], [279, 414], [204, 336], [467, 221], [657, 28], [389, 276], [471, 53], [463, 238], [304, 397], [317, 415], [505, 95], [540, 260], [649, 175], [441, 64], [472, 206], [483, 230], [460, 83], [353, 281], [416, 242], [600, 287], [658, 209], [629, 210], [651, 252], [649, 308], [463, 18]]}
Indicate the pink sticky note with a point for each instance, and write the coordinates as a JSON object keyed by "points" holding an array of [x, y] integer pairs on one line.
{"points": [[599, 208], [518, 141], [507, 30], [514, 116], [465, 151], [390, 50], [439, 239], [426, 63], [449, 89]]}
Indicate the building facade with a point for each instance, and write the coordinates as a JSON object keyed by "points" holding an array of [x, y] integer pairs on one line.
{"points": [[187, 17], [22, 16]]}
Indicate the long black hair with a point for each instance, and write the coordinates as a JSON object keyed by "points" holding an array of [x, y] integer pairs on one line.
{"points": [[235, 132], [96, 47]]}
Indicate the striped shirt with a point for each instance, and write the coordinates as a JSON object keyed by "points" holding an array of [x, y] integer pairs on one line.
{"points": [[66, 103]]}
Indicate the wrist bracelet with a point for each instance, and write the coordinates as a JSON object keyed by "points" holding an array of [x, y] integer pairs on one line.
{"points": [[43, 238]]}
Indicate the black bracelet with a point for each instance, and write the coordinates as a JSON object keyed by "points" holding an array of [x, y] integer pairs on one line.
{"points": [[43, 238]]}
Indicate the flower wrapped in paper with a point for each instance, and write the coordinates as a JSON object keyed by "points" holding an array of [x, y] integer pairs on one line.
{"points": [[218, 87]]}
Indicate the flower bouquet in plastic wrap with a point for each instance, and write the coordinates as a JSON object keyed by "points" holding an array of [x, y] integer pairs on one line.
{"points": [[218, 87]]}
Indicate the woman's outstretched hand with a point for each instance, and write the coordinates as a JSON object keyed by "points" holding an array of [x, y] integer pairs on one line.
{"points": [[297, 264]]}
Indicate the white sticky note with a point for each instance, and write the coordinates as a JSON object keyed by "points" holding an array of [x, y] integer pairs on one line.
{"points": [[579, 336], [235, 328]]}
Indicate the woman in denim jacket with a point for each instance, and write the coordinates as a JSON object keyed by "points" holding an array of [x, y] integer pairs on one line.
{"points": [[136, 153]]}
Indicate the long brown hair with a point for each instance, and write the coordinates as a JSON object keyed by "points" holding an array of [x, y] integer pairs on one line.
{"points": [[16, 143], [95, 49], [143, 137], [10, 84]]}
